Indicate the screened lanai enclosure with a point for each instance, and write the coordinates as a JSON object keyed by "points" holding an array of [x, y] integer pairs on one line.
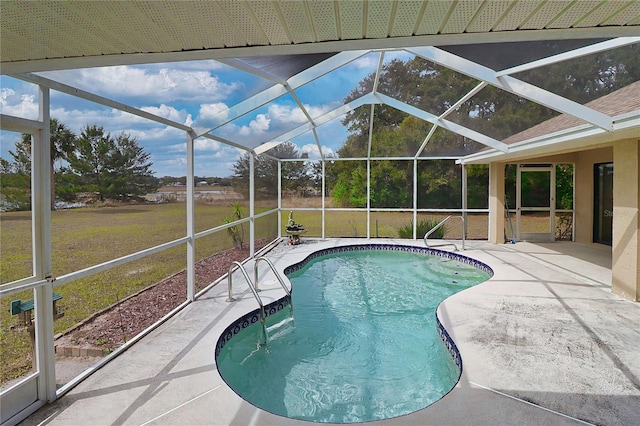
{"points": [[184, 135]]}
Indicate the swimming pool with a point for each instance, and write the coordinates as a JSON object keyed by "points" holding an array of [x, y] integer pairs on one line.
{"points": [[365, 343]]}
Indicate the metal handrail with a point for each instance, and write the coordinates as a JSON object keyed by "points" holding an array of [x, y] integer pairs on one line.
{"points": [[432, 230], [253, 290], [246, 276], [273, 269]]}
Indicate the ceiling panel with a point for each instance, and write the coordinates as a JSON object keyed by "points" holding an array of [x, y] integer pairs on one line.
{"points": [[516, 16], [295, 16], [408, 13], [574, 14], [351, 19], [490, 13], [103, 31], [269, 20], [244, 20], [624, 15], [325, 22], [461, 16], [434, 17], [544, 15], [378, 18]]}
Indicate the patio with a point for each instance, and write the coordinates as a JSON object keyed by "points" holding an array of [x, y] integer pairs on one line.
{"points": [[542, 342]]}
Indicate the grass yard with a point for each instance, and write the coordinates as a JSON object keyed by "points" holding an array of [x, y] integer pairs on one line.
{"points": [[382, 224], [89, 236]]}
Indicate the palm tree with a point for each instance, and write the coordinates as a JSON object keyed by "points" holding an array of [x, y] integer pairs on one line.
{"points": [[62, 143]]}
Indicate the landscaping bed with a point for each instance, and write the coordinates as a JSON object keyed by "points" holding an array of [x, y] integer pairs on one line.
{"points": [[106, 330]]}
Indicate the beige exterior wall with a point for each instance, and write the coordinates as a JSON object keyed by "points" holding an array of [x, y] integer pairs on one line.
{"points": [[583, 201], [584, 162], [496, 203], [626, 195]]}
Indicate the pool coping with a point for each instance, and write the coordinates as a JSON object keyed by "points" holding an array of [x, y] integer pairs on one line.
{"points": [[169, 377]]}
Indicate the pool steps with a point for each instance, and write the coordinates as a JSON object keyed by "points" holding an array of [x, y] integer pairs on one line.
{"points": [[280, 328], [253, 286]]}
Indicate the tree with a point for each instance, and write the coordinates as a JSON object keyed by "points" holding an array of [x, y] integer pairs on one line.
{"points": [[113, 168], [492, 111], [131, 174], [295, 175], [15, 184], [61, 141]]}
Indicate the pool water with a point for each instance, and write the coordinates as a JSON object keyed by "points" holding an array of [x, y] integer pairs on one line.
{"points": [[364, 344]]}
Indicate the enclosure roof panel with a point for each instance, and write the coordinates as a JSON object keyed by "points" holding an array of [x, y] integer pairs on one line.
{"points": [[286, 66]]}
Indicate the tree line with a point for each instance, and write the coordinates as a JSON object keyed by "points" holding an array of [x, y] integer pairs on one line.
{"points": [[433, 88], [95, 163]]}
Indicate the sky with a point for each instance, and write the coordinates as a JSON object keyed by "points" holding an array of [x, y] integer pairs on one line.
{"points": [[194, 93]]}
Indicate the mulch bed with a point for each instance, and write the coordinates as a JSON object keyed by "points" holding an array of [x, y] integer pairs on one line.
{"points": [[113, 326]]}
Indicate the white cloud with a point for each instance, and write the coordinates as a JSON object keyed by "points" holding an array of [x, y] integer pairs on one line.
{"points": [[312, 150], [163, 85], [200, 144], [287, 114], [167, 112], [206, 145], [260, 124], [18, 105], [213, 113], [364, 62]]}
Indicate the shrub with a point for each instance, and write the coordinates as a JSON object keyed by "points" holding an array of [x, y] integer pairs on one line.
{"points": [[236, 232], [424, 226]]}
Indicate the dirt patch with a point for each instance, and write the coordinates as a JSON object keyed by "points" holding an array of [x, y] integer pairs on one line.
{"points": [[113, 326]]}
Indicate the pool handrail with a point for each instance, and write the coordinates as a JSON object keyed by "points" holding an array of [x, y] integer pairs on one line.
{"points": [[253, 290], [246, 276], [432, 230], [275, 272]]}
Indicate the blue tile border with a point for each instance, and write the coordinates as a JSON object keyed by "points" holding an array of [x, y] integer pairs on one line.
{"points": [[390, 247], [251, 318]]}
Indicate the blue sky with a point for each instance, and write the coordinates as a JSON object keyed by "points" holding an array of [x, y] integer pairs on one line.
{"points": [[192, 93]]}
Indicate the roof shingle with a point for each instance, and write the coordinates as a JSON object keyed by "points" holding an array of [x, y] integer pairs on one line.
{"points": [[621, 101]]}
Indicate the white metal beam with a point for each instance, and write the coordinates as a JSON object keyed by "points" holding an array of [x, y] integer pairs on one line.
{"points": [[37, 65], [446, 124], [18, 124], [248, 105], [572, 54], [332, 63], [252, 199], [42, 261], [303, 128], [513, 85], [318, 144], [191, 242], [272, 93], [453, 107]]}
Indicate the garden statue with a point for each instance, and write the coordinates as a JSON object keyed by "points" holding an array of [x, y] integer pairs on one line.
{"points": [[294, 230]]}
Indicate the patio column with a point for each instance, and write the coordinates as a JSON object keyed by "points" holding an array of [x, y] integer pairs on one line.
{"points": [[496, 203], [625, 279]]}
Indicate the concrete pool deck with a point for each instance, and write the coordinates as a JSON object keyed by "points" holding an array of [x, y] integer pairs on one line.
{"points": [[542, 342]]}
